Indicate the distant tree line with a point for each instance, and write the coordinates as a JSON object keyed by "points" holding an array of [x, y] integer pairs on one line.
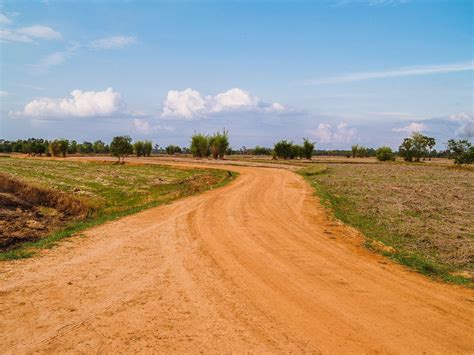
{"points": [[413, 149]]}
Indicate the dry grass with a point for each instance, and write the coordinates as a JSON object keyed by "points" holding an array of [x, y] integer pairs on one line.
{"points": [[419, 209]]}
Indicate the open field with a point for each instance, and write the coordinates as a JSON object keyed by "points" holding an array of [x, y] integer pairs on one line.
{"points": [[255, 266], [103, 190], [423, 214]]}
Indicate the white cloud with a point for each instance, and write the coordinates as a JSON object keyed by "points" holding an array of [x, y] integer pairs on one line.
{"points": [[4, 20], [189, 103], [112, 42], [342, 133], [142, 126], [3, 93], [466, 130], [12, 36], [400, 72], [53, 59], [411, 128], [42, 32], [28, 34], [80, 104]]}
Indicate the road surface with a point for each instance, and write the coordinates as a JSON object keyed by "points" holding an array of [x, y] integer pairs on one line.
{"points": [[254, 266]]}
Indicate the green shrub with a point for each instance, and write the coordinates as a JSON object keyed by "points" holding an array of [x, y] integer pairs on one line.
{"points": [[200, 145], [384, 154]]}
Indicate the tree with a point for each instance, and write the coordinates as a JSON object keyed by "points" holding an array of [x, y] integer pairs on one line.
{"points": [[147, 148], [416, 147], [218, 144], [461, 150], [121, 146], [172, 149], [138, 148], [200, 145], [361, 151], [86, 148], [98, 147], [261, 151], [72, 149], [54, 149], [283, 149], [384, 154], [63, 145], [354, 150], [308, 148]]}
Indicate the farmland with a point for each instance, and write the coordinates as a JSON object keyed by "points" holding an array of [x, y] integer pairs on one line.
{"points": [[420, 215], [104, 190]]}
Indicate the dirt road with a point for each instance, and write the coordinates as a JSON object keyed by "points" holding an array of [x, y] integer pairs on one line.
{"points": [[253, 266]]}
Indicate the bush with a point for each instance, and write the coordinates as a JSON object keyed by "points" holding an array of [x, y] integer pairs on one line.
{"points": [[308, 148], [138, 148], [283, 149], [147, 148], [218, 144], [384, 154], [172, 149], [461, 150], [200, 145]]}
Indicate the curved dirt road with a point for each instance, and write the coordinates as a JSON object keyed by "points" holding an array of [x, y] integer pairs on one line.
{"points": [[253, 266]]}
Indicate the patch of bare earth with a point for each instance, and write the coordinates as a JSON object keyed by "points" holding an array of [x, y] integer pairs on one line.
{"points": [[28, 212]]}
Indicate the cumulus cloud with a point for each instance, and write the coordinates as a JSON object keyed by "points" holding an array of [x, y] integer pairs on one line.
{"points": [[4, 20], [189, 103], [413, 127], [466, 121], [42, 32], [342, 133], [113, 42], [80, 104]]}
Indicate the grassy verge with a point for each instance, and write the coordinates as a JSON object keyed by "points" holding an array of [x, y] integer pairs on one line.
{"points": [[112, 191], [420, 216]]}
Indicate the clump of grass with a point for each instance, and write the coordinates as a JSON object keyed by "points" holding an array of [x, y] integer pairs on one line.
{"points": [[425, 213], [112, 190]]}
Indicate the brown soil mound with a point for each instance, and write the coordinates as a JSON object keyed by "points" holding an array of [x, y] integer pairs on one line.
{"points": [[28, 212]]}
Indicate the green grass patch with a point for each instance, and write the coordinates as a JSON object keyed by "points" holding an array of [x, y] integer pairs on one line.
{"points": [[112, 190]]}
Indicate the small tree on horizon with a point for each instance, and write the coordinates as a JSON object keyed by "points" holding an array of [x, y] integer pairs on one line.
{"points": [[200, 145], [121, 146], [308, 148]]}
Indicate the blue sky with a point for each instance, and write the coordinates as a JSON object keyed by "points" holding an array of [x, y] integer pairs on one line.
{"points": [[339, 72]]}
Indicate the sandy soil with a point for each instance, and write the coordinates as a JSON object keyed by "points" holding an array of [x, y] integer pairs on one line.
{"points": [[253, 266]]}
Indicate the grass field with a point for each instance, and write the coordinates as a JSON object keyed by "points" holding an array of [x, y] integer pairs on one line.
{"points": [[417, 214], [109, 190]]}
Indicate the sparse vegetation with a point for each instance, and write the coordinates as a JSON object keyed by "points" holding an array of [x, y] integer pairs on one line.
{"points": [[425, 213]]}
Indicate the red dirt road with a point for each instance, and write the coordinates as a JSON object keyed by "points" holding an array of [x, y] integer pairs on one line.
{"points": [[253, 266]]}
